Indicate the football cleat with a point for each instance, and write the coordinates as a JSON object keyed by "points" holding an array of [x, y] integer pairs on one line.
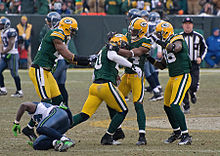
{"points": [[62, 146], [2, 92], [173, 138], [156, 97], [29, 133], [119, 134], [148, 89], [107, 139], [141, 141], [185, 140], [18, 94]]}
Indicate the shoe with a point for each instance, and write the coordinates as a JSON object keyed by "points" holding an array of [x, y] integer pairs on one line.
{"points": [[62, 146], [156, 97], [193, 98], [29, 133], [148, 89], [119, 134], [186, 109], [126, 98], [142, 140], [173, 138], [161, 90], [107, 139], [18, 94], [2, 92], [185, 140]]}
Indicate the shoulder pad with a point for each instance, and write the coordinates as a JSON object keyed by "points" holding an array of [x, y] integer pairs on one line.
{"points": [[176, 37]]}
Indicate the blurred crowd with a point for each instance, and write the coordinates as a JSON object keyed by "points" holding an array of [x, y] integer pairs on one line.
{"points": [[112, 7]]}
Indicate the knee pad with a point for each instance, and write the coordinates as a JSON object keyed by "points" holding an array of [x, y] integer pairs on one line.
{"points": [[84, 116]]}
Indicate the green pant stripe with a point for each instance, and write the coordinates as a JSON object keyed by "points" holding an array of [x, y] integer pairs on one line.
{"points": [[47, 118], [117, 97], [142, 91], [181, 89]]}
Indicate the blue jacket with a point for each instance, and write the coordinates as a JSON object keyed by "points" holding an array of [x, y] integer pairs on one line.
{"points": [[213, 43]]}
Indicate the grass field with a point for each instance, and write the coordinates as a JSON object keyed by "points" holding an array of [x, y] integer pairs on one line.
{"points": [[203, 121]]}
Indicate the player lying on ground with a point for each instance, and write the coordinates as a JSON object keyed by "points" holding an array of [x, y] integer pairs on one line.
{"points": [[53, 122]]}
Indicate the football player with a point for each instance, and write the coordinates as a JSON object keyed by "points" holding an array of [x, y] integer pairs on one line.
{"points": [[9, 56], [175, 57], [104, 87], [52, 45], [53, 122], [139, 45]]}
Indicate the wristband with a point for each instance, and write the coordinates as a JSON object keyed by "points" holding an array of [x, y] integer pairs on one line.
{"points": [[16, 122], [132, 53]]}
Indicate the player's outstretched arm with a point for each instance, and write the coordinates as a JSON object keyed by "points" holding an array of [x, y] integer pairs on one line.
{"points": [[27, 106], [159, 64], [134, 52]]}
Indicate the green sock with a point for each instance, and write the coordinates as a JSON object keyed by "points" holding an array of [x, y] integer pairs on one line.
{"points": [[141, 118], [171, 117], [116, 122], [78, 118], [111, 111], [47, 101], [57, 100], [179, 117]]}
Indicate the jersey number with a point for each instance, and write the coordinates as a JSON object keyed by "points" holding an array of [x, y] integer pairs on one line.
{"points": [[170, 58]]}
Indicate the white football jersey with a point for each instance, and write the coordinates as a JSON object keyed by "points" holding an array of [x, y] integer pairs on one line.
{"points": [[5, 35], [42, 110]]}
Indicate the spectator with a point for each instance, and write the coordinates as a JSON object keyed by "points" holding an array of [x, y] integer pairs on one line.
{"points": [[57, 6], [42, 6], [78, 6], [27, 6], [217, 6], [113, 7], [70, 6], [15, 7], [23, 55], [208, 9], [2, 8], [24, 33], [96, 5], [213, 43], [64, 9], [193, 7]]}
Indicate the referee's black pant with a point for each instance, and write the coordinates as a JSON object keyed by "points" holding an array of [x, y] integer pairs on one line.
{"points": [[195, 83]]}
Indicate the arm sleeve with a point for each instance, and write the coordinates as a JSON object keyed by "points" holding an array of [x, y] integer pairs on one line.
{"points": [[113, 56], [203, 48]]}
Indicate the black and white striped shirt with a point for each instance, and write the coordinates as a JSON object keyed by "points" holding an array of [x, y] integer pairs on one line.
{"points": [[196, 45]]}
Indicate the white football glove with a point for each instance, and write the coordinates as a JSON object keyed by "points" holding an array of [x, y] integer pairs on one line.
{"points": [[137, 70]]}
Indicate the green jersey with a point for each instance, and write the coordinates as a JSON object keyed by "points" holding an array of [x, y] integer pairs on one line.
{"points": [[138, 60], [104, 68], [178, 63], [47, 52]]}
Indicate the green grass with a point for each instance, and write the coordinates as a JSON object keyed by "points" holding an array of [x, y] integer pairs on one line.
{"points": [[203, 121]]}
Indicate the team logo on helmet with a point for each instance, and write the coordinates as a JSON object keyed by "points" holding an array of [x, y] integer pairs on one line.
{"points": [[143, 24], [67, 21], [119, 35], [165, 25]]}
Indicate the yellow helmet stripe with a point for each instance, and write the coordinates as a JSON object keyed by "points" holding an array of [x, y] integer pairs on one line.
{"points": [[133, 21], [178, 37]]}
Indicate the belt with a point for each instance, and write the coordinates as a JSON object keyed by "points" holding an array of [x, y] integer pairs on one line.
{"points": [[37, 67], [100, 81]]}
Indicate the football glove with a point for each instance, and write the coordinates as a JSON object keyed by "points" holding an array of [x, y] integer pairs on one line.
{"points": [[137, 70], [16, 128]]}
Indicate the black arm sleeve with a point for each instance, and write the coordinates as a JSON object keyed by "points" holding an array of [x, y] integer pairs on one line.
{"points": [[81, 60]]}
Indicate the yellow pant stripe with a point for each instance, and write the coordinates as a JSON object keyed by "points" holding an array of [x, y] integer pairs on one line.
{"points": [[117, 97]]}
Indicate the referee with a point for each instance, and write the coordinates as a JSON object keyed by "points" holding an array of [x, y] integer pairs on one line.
{"points": [[197, 49]]}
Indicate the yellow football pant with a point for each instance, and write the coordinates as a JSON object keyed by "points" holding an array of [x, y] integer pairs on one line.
{"points": [[131, 82], [176, 89], [104, 92], [44, 83]]}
